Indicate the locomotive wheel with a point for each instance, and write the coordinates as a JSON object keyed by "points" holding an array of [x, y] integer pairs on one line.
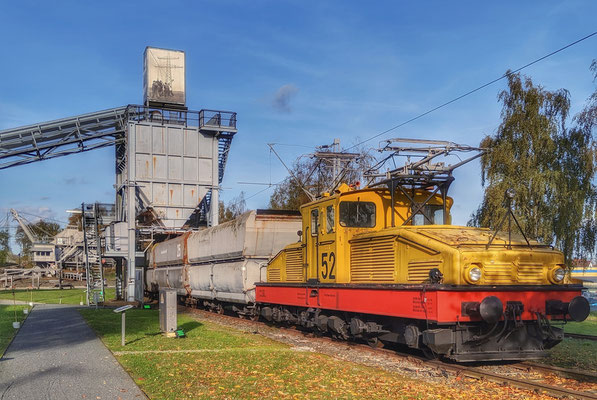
{"points": [[375, 343], [430, 354]]}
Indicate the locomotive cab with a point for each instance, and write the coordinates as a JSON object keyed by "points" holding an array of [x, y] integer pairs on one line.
{"points": [[332, 222]]}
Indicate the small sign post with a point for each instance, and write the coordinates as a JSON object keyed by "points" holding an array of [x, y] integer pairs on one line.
{"points": [[122, 310]]}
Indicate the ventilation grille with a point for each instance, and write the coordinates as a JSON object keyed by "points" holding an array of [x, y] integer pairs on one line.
{"points": [[530, 272], [418, 270], [373, 260], [294, 265], [273, 274], [498, 273]]}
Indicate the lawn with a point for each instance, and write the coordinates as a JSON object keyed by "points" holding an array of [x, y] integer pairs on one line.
{"points": [[575, 354], [587, 327], [7, 317], [214, 362], [51, 296]]}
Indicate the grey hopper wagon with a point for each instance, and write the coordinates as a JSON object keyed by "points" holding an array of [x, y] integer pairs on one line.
{"points": [[223, 262]]}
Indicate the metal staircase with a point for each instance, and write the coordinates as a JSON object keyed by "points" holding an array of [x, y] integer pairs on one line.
{"points": [[68, 252], [199, 217], [93, 258]]}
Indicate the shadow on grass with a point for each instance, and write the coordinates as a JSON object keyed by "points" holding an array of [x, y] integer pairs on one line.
{"points": [[144, 323], [186, 327], [190, 325]]}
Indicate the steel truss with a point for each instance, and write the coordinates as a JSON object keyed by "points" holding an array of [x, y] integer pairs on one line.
{"points": [[61, 137]]}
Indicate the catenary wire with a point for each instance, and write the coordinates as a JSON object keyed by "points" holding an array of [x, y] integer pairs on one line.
{"points": [[446, 103], [474, 90], [42, 218]]}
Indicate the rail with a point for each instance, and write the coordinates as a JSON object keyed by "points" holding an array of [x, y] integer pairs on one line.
{"points": [[212, 120], [580, 336]]}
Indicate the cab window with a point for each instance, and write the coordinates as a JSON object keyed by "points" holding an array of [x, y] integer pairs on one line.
{"points": [[431, 214], [357, 214], [314, 222], [329, 222]]}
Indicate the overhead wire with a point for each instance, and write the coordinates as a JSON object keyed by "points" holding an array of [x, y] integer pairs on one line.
{"points": [[43, 218], [439, 106], [474, 90], [261, 191], [292, 145]]}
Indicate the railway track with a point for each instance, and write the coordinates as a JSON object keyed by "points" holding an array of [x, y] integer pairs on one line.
{"points": [[580, 336], [566, 372], [517, 382], [538, 387], [474, 372]]}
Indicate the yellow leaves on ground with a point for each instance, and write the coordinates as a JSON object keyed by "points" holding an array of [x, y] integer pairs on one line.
{"points": [[291, 375], [238, 365]]}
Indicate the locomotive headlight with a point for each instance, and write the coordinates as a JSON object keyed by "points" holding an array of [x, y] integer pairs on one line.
{"points": [[473, 274], [558, 274]]}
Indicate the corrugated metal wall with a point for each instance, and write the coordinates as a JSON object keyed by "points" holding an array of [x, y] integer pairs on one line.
{"points": [[174, 168]]}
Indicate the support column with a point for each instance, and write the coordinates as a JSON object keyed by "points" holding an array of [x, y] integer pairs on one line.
{"points": [[214, 207], [119, 279], [131, 213]]}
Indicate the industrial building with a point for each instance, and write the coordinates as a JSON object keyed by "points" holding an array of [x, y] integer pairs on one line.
{"points": [[169, 164]]}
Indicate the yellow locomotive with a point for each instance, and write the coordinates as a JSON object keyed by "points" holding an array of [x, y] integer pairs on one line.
{"points": [[360, 246], [383, 264]]}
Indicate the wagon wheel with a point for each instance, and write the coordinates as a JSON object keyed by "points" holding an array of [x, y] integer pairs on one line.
{"points": [[219, 309], [254, 317]]}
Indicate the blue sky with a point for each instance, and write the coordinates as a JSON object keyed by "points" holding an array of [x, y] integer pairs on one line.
{"points": [[349, 70]]}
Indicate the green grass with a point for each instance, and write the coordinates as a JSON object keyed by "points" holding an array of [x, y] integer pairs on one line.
{"points": [[51, 296], [575, 354], [7, 317], [587, 327], [214, 362], [143, 332]]}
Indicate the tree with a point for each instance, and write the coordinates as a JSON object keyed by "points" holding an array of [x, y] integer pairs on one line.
{"points": [[42, 229], [289, 194], [235, 207], [549, 167], [316, 176], [586, 122], [74, 221], [4, 247]]}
